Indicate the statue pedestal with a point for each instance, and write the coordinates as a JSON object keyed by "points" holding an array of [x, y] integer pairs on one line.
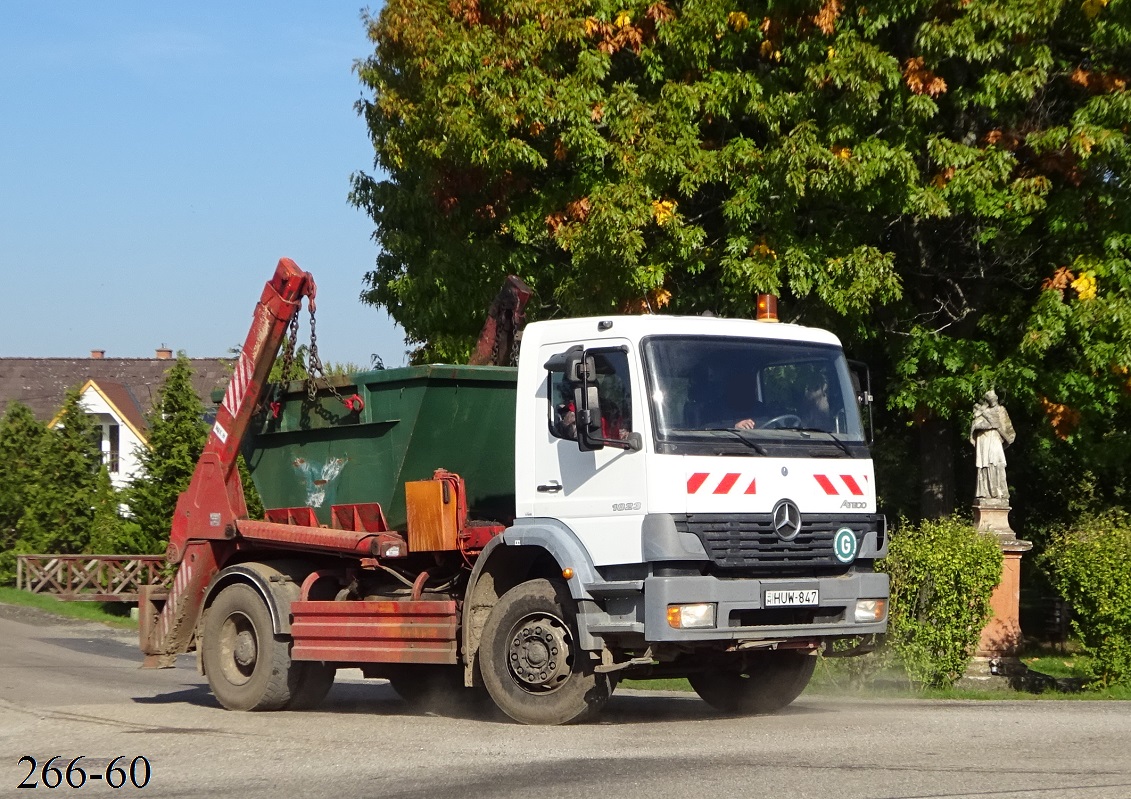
{"points": [[992, 516], [1000, 641]]}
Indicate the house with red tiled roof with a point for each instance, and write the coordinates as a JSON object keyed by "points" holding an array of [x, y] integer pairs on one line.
{"points": [[118, 392]]}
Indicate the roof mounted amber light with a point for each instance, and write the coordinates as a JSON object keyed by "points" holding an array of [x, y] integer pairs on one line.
{"points": [[767, 308]]}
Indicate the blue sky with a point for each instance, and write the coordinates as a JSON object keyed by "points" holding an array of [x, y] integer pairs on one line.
{"points": [[156, 160]]}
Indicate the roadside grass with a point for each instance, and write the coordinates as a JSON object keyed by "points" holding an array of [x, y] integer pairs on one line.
{"points": [[838, 678], [658, 684], [1054, 665], [114, 614]]}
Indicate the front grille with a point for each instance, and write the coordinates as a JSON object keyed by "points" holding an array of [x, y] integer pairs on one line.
{"points": [[748, 541]]}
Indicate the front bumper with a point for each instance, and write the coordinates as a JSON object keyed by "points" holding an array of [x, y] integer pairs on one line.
{"points": [[741, 614]]}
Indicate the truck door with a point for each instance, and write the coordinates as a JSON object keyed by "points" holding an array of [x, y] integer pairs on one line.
{"points": [[600, 495]]}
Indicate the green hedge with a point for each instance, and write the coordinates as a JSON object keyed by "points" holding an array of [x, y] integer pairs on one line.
{"points": [[942, 575], [1090, 564]]}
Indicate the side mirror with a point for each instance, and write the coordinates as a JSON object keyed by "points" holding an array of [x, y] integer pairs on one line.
{"points": [[580, 369], [862, 385], [566, 363], [588, 402]]}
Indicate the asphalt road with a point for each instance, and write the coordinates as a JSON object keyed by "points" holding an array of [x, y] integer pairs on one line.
{"points": [[73, 688]]}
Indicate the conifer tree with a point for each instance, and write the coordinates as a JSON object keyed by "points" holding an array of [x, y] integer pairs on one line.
{"points": [[20, 437], [110, 534], [60, 502], [251, 496], [176, 437]]}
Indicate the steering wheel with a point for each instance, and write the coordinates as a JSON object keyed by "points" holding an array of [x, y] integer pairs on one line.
{"points": [[786, 420]]}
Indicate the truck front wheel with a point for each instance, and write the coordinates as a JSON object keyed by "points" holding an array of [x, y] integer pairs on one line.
{"points": [[248, 667], [531, 661], [765, 683]]}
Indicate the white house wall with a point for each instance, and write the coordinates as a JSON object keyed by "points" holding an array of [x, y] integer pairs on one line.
{"points": [[128, 441]]}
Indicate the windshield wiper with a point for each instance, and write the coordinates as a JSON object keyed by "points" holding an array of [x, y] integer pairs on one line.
{"points": [[840, 443], [738, 434]]}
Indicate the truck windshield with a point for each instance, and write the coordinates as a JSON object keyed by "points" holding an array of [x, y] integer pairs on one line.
{"points": [[753, 393]]}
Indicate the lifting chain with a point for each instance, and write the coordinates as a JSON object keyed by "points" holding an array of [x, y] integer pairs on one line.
{"points": [[289, 350], [314, 366], [273, 400], [516, 344], [508, 329]]}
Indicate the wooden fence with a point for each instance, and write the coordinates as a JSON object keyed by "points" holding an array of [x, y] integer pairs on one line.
{"points": [[92, 578]]}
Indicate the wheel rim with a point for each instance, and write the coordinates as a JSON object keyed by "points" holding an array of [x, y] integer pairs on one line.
{"points": [[239, 649], [540, 653]]}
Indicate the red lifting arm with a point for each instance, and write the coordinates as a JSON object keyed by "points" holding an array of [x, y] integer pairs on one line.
{"points": [[498, 341], [214, 498]]}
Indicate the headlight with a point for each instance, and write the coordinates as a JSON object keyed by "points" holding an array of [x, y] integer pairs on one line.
{"points": [[869, 611], [685, 617]]}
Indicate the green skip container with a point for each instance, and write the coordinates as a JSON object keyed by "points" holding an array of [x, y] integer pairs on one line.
{"points": [[415, 420]]}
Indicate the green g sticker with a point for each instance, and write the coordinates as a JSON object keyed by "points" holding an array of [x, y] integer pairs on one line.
{"points": [[844, 545]]}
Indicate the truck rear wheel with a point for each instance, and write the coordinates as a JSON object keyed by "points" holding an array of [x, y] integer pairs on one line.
{"points": [[766, 683], [531, 661], [248, 667], [315, 681]]}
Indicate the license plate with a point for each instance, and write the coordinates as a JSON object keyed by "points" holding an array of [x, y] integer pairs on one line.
{"points": [[791, 598]]}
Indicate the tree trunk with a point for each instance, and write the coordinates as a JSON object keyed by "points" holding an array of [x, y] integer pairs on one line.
{"points": [[936, 469]]}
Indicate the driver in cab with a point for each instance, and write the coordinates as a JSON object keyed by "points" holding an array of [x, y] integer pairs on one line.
{"points": [[739, 400]]}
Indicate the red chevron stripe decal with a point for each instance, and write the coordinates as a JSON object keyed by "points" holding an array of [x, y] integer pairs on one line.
{"points": [[826, 484], [726, 484], [853, 486]]}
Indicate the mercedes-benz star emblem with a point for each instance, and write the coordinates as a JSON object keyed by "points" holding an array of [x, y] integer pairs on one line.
{"points": [[787, 520]]}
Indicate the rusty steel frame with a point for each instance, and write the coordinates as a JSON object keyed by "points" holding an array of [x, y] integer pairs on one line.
{"points": [[312, 539], [383, 631], [90, 578]]}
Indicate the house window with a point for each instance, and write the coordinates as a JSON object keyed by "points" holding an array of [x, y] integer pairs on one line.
{"points": [[114, 454]]}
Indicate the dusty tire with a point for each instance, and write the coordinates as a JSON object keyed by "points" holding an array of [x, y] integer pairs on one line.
{"points": [[530, 659], [768, 682], [314, 682], [248, 668], [434, 689]]}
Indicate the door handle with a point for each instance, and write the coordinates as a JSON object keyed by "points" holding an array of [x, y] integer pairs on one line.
{"points": [[551, 487]]}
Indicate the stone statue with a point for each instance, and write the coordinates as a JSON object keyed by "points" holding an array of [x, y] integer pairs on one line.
{"points": [[990, 433]]}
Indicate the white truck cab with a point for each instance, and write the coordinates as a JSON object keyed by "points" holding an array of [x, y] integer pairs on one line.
{"points": [[707, 479]]}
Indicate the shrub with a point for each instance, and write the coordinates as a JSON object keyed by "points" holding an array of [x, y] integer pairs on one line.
{"points": [[942, 575], [1089, 565]]}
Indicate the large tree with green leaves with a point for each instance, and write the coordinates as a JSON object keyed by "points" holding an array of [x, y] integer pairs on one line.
{"points": [[177, 433], [945, 184]]}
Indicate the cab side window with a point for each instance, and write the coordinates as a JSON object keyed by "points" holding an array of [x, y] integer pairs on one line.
{"points": [[614, 388], [563, 413]]}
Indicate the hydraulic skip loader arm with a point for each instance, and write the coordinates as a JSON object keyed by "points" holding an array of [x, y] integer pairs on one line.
{"points": [[207, 511]]}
